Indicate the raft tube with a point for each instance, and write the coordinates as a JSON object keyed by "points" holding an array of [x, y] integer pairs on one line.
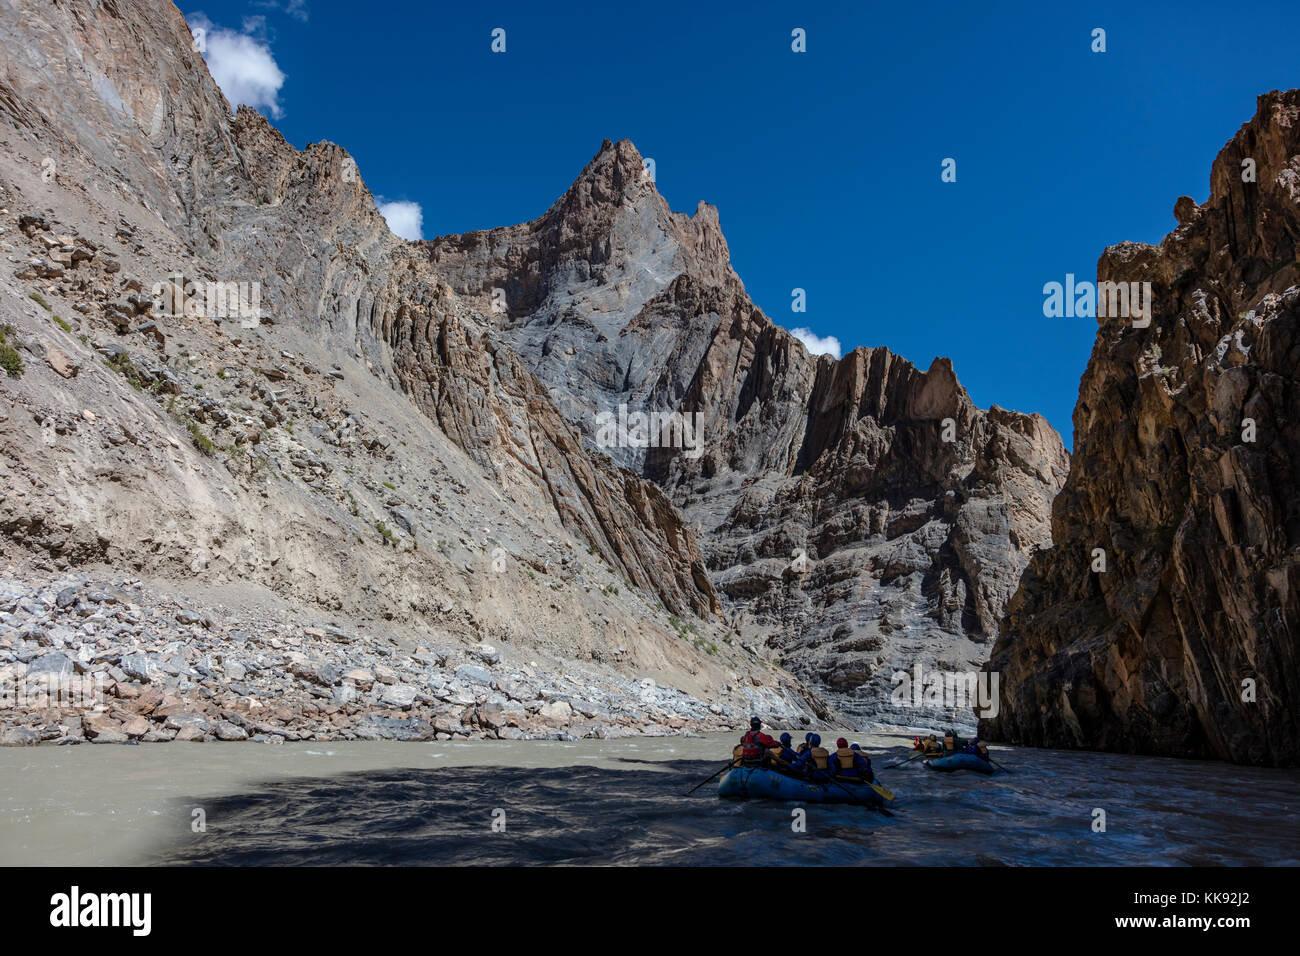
{"points": [[961, 762], [756, 782]]}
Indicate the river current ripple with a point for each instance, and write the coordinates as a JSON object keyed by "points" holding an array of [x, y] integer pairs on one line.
{"points": [[633, 810]]}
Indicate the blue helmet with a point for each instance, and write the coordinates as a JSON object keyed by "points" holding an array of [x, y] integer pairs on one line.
{"points": [[816, 740], [854, 747], [807, 738], [785, 740]]}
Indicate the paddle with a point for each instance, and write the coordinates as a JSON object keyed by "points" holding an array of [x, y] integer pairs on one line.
{"points": [[704, 781], [880, 790], [901, 762], [883, 791]]}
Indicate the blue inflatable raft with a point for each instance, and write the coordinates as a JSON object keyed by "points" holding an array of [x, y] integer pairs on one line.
{"points": [[755, 782], [961, 762]]}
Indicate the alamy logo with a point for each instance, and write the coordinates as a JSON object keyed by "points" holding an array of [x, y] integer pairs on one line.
{"points": [[1105, 300], [103, 909], [652, 430], [951, 690], [40, 691], [211, 300]]}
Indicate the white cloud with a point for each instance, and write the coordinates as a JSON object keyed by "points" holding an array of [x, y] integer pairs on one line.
{"points": [[817, 345], [242, 65], [404, 218]]}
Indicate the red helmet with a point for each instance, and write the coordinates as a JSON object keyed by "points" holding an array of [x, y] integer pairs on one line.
{"points": [[841, 743]]}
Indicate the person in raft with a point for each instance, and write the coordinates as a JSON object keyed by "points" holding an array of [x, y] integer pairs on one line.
{"points": [[783, 757], [976, 748], [869, 776], [928, 745], [813, 757], [849, 764], [755, 744]]}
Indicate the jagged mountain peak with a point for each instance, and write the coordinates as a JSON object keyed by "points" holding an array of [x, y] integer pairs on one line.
{"points": [[619, 182], [603, 251], [621, 306], [615, 174]]}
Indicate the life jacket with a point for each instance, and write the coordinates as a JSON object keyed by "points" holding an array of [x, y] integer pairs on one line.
{"points": [[820, 757], [735, 755], [844, 756], [802, 748], [751, 751], [774, 755]]}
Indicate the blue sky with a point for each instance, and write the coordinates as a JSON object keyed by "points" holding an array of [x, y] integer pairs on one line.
{"points": [[824, 165]]}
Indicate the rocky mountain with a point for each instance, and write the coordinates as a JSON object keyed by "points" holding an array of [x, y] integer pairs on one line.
{"points": [[858, 517], [407, 442], [1164, 619], [197, 503]]}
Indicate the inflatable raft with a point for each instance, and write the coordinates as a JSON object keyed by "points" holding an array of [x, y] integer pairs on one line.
{"points": [[961, 762], [756, 782]]}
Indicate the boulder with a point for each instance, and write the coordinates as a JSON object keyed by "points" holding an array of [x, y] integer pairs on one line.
{"points": [[225, 730], [19, 737], [399, 695]]}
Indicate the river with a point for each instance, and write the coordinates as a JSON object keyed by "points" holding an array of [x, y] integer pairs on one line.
{"points": [[618, 802]]}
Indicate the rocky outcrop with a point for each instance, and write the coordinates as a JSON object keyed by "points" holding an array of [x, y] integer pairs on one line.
{"points": [[1184, 483], [880, 525]]}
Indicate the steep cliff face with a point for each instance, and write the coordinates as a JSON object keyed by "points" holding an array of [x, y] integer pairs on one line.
{"points": [[860, 517], [865, 515], [1185, 474]]}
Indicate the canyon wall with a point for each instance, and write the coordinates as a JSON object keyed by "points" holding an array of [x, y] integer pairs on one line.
{"points": [[1184, 481]]}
